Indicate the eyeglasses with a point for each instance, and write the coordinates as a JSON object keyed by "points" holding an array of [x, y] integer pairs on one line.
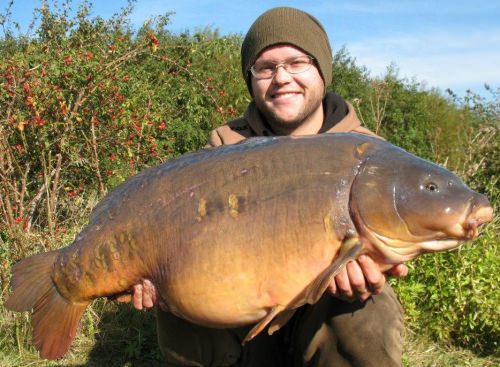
{"points": [[293, 65]]}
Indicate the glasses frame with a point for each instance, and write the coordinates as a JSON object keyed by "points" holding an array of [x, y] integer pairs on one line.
{"points": [[285, 64]]}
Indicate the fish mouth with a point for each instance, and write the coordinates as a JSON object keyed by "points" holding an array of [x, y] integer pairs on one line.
{"points": [[475, 219], [467, 228]]}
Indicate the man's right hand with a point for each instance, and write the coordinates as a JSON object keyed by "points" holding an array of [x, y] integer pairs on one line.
{"points": [[143, 295]]}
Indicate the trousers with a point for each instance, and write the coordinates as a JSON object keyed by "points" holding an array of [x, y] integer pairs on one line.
{"points": [[331, 332]]}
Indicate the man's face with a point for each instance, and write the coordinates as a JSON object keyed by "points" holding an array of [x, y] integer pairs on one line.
{"points": [[288, 100]]}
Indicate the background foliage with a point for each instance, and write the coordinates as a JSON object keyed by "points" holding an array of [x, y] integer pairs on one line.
{"points": [[87, 102]]}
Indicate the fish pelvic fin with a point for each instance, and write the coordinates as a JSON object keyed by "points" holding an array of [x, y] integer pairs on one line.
{"points": [[54, 318], [279, 315]]}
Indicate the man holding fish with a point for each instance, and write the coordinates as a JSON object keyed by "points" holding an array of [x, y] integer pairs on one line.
{"points": [[287, 66]]}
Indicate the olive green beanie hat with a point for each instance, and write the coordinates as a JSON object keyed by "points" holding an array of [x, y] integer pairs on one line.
{"points": [[284, 25]]}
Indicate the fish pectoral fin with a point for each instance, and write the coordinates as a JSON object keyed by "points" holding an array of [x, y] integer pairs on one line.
{"points": [[349, 250], [280, 320], [262, 323]]}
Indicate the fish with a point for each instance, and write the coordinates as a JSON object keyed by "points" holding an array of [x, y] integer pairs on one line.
{"points": [[247, 233]]}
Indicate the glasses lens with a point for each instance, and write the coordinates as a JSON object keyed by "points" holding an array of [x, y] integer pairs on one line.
{"points": [[298, 64], [267, 69], [263, 70]]}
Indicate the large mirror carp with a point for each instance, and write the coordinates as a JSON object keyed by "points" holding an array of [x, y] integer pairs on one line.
{"points": [[245, 234]]}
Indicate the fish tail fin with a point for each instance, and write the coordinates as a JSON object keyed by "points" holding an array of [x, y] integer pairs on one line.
{"points": [[55, 321], [54, 318], [31, 281]]}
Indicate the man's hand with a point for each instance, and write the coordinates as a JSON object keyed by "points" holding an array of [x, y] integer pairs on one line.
{"points": [[143, 295], [361, 279]]}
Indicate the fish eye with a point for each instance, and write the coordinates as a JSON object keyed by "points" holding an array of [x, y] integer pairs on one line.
{"points": [[432, 187]]}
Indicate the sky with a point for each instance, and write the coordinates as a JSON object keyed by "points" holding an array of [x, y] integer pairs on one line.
{"points": [[440, 43]]}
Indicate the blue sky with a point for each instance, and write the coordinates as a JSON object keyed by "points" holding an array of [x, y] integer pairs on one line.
{"points": [[441, 43]]}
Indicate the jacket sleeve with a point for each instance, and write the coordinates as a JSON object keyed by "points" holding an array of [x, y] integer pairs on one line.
{"points": [[231, 133]]}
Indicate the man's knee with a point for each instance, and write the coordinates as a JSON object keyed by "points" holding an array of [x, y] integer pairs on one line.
{"points": [[186, 344], [352, 334]]}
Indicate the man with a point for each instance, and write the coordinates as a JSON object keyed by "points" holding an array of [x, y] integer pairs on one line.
{"points": [[287, 65]]}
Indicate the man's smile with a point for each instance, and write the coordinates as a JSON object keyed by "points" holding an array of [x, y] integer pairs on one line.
{"points": [[284, 95]]}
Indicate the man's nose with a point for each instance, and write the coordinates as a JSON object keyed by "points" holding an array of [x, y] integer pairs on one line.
{"points": [[281, 75]]}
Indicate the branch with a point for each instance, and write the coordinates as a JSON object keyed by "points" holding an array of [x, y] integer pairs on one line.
{"points": [[102, 188], [53, 191], [34, 202]]}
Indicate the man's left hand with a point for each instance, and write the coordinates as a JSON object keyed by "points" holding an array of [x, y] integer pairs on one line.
{"points": [[361, 279]]}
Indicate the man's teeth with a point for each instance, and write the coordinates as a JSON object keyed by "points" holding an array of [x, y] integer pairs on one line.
{"points": [[285, 95]]}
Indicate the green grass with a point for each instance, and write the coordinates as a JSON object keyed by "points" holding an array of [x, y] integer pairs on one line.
{"points": [[111, 334], [421, 352], [116, 335]]}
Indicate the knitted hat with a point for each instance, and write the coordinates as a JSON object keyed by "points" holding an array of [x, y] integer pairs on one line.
{"points": [[284, 25]]}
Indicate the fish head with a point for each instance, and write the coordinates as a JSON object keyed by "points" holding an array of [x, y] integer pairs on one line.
{"points": [[405, 206]]}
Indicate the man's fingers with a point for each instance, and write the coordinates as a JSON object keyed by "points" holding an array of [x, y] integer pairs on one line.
{"points": [[399, 271], [148, 294], [375, 279], [357, 280], [137, 296], [344, 289], [332, 287]]}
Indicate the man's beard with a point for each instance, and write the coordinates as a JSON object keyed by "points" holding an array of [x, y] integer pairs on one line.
{"points": [[273, 119]]}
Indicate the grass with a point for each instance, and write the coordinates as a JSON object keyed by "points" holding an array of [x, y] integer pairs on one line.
{"points": [[111, 334], [421, 352], [116, 335]]}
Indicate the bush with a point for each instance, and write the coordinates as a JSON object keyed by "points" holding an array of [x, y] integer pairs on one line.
{"points": [[88, 103]]}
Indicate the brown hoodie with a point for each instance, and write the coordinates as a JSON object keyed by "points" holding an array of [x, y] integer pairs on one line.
{"points": [[340, 117]]}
